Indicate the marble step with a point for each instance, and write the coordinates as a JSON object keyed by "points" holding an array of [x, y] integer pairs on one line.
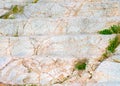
{"points": [[37, 70], [39, 1], [68, 9], [56, 10], [84, 45], [52, 70], [17, 1], [8, 3], [78, 0], [51, 26]]}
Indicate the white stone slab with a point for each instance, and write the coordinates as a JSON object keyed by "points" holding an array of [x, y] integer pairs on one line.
{"points": [[108, 84], [107, 72]]}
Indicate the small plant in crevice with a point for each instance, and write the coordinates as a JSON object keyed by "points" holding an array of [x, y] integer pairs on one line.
{"points": [[35, 1], [81, 65], [113, 44], [16, 9], [16, 34], [115, 29]]}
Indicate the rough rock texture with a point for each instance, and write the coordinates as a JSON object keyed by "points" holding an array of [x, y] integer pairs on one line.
{"points": [[36, 69], [51, 26], [42, 45], [76, 45], [108, 71]]}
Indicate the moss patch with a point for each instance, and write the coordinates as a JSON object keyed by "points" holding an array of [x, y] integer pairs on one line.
{"points": [[35, 1], [115, 29], [80, 65], [17, 9], [13, 10], [16, 34]]}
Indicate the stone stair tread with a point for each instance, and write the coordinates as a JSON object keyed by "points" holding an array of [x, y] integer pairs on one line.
{"points": [[36, 69], [39, 1], [51, 26], [42, 45], [76, 45], [79, 0], [67, 9], [13, 1], [75, 9]]}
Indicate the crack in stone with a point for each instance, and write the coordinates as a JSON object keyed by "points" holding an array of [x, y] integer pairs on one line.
{"points": [[7, 64], [93, 67], [65, 79]]}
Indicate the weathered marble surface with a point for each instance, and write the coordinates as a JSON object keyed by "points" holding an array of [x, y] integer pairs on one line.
{"points": [[42, 45], [71, 9], [106, 84], [48, 26], [41, 70], [76, 45], [20, 1], [107, 71]]}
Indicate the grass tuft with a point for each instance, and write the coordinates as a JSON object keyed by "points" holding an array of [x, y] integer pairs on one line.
{"points": [[35, 1], [115, 29], [16, 34], [80, 66], [13, 10], [113, 44], [17, 9]]}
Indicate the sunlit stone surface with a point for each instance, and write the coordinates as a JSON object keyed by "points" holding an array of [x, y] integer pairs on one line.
{"points": [[75, 45], [42, 45], [107, 72], [36, 69], [60, 26]]}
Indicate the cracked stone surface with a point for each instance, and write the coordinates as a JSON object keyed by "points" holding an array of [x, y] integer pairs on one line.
{"points": [[76, 45], [70, 9], [62, 9], [72, 25], [42, 45], [107, 72], [36, 69]]}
